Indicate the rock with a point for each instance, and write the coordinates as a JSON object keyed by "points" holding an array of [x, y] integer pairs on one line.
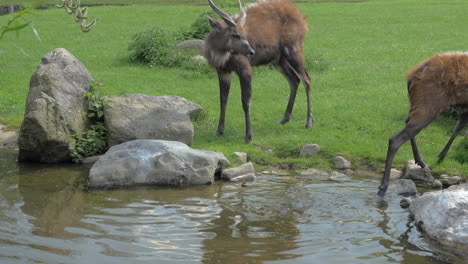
{"points": [[405, 202], [198, 59], [91, 159], [241, 157], [449, 181], [155, 162], [194, 45], [436, 184], [415, 172], [405, 187], [317, 175], [244, 172], [395, 174], [8, 139], [337, 176], [139, 116], [341, 163], [55, 108], [309, 150], [443, 215], [314, 174]]}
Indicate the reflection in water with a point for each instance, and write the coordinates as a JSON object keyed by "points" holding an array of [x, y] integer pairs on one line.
{"points": [[45, 217]]}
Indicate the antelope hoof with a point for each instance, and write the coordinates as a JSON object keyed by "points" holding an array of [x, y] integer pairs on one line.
{"points": [[382, 191], [284, 121], [309, 123], [219, 133], [247, 140]]}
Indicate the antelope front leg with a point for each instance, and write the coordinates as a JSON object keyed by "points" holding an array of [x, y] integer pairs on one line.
{"points": [[245, 78], [224, 86]]}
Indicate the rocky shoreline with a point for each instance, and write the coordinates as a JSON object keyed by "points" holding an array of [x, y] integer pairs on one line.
{"points": [[8, 139]]}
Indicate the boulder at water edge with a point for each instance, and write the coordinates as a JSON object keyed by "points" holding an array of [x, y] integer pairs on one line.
{"points": [[155, 162], [443, 215], [139, 116], [55, 108]]}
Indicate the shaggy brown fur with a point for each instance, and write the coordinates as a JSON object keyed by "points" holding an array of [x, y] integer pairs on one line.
{"points": [[273, 32], [434, 85]]}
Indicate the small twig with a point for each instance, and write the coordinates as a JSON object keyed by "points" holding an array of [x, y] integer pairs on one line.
{"points": [[80, 14]]}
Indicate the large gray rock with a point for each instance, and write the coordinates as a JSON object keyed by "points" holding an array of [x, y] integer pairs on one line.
{"points": [[139, 116], [443, 215], [155, 162], [55, 108]]}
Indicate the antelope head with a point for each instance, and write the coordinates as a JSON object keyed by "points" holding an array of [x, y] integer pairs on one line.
{"points": [[231, 37]]}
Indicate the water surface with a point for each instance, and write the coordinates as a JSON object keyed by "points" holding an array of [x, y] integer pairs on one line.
{"points": [[46, 217]]}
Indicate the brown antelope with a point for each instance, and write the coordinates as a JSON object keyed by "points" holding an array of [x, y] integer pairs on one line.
{"points": [[434, 85], [264, 32]]}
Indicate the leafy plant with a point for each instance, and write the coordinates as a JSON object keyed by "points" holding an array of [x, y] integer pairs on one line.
{"points": [[94, 140], [92, 143], [156, 47], [19, 21], [199, 28]]}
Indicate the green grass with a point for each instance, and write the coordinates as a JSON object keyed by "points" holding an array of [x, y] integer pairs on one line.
{"points": [[359, 100]]}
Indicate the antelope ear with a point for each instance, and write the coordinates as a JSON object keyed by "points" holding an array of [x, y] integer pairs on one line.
{"points": [[214, 23]]}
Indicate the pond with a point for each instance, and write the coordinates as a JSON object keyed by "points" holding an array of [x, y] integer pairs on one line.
{"points": [[46, 217]]}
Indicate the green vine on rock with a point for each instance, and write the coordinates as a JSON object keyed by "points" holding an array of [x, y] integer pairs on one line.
{"points": [[80, 14], [94, 140]]}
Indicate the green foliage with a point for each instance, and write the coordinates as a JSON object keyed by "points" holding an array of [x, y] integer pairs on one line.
{"points": [[156, 47], [94, 140], [96, 101], [461, 151], [20, 21], [199, 28], [92, 143]]}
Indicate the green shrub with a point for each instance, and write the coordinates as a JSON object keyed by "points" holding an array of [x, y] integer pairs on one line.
{"points": [[94, 140], [156, 48], [199, 28]]}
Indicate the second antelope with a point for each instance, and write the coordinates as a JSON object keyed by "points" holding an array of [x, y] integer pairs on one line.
{"points": [[264, 32], [434, 85]]}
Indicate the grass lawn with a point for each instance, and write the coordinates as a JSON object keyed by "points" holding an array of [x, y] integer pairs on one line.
{"points": [[359, 101]]}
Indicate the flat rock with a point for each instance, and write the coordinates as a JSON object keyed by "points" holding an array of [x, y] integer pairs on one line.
{"points": [[244, 172], [155, 162], [139, 116]]}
